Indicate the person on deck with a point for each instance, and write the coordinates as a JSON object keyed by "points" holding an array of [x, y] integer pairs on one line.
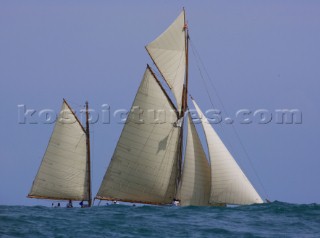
{"points": [[176, 202], [69, 204]]}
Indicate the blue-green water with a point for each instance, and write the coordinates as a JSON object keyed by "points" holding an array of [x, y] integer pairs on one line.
{"points": [[267, 220]]}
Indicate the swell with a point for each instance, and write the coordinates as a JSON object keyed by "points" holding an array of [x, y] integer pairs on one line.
{"points": [[276, 219]]}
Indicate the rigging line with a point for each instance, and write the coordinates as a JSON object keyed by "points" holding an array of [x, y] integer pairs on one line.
{"points": [[206, 89], [197, 56], [224, 108], [201, 76]]}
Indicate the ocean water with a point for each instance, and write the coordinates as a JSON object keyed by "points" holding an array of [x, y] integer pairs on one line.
{"points": [[266, 220]]}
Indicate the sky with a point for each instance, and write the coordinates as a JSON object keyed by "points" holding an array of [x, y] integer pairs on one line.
{"points": [[255, 54]]}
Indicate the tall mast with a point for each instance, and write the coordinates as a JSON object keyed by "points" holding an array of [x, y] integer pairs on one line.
{"points": [[88, 153], [185, 89], [185, 86], [184, 100]]}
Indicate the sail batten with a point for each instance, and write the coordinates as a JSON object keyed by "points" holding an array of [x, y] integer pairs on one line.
{"points": [[143, 166], [63, 173], [228, 182], [168, 52]]}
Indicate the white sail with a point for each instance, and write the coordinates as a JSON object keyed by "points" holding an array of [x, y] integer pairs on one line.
{"points": [[63, 173], [144, 165], [168, 52], [196, 182], [228, 183]]}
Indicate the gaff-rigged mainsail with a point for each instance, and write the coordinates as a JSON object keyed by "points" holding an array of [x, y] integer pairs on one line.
{"points": [[229, 184], [143, 167], [64, 172]]}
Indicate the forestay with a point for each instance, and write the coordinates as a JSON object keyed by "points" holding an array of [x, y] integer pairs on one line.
{"points": [[228, 183], [143, 167]]}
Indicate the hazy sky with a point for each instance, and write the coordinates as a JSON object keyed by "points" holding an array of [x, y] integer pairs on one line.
{"points": [[259, 55]]}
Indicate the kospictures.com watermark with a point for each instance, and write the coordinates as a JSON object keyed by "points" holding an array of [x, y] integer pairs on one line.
{"points": [[105, 115]]}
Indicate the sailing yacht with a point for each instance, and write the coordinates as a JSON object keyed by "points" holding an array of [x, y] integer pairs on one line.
{"points": [[65, 173], [148, 165]]}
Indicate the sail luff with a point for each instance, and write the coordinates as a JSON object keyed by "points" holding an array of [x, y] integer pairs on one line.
{"points": [[228, 182]]}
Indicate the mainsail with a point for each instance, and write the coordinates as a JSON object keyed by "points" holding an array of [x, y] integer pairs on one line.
{"points": [[195, 184], [168, 52], [143, 167], [64, 173], [228, 183]]}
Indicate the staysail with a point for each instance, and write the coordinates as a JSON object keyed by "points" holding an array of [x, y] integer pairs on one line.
{"points": [[195, 184], [143, 167], [229, 185], [64, 172], [168, 52]]}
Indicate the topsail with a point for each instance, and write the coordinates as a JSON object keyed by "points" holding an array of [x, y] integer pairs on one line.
{"points": [[168, 52]]}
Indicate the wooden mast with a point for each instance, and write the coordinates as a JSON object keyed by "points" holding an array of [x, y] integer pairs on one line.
{"points": [[88, 153], [184, 101], [187, 64], [185, 91]]}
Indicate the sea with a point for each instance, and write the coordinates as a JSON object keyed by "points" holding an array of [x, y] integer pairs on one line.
{"points": [[276, 219]]}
